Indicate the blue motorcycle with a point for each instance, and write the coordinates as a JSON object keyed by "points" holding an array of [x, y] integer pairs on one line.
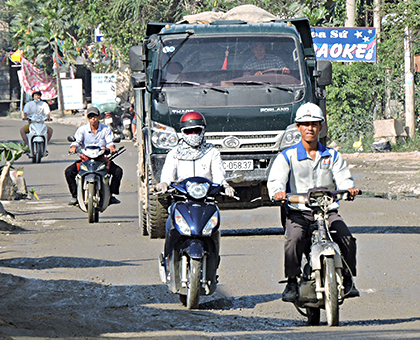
{"points": [[191, 257]]}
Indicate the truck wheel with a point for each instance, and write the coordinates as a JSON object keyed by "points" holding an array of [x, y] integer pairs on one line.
{"points": [[156, 214], [157, 218], [330, 291]]}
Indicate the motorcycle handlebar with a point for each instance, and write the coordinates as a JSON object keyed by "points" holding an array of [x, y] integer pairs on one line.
{"points": [[302, 198]]}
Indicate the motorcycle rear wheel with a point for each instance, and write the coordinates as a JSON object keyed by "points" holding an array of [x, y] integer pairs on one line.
{"points": [[314, 315], [331, 292], [183, 299], [90, 208], [193, 292]]}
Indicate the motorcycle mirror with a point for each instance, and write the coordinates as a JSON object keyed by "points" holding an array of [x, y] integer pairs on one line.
{"points": [[236, 177], [71, 139]]}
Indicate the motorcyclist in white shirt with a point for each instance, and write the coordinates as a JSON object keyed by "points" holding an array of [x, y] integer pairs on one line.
{"points": [[33, 107], [193, 156]]}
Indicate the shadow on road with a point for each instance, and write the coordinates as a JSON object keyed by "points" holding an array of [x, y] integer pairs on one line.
{"points": [[60, 262], [74, 309]]}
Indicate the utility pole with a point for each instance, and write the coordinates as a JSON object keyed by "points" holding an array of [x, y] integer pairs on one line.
{"points": [[351, 13], [59, 88], [409, 84], [377, 19]]}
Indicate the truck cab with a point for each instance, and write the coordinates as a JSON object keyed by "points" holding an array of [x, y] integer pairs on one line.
{"points": [[247, 79]]}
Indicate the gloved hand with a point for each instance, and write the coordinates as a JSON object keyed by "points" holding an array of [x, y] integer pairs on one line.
{"points": [[162, 187], [229, 191]]}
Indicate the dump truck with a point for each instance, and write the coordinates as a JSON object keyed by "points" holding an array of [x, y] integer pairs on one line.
{"points": [[204, 63]]}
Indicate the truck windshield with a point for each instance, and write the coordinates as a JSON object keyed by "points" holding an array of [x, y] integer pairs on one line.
{"points": [[230, 61]]}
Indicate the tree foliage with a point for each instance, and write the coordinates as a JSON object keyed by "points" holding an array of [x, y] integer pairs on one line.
{"points": [[354, 99]]}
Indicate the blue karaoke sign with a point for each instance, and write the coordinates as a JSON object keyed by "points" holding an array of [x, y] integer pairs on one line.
{"points": [[345, 44]]}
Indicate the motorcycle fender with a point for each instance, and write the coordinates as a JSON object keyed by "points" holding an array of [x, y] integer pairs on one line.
{"points": [[194, 249], [321, 250], [38, 139]]}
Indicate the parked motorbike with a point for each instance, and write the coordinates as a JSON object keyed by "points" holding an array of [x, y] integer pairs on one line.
{"points": [[321, 282], [191, 258], [126, 118], [92, 180], [37, 137], [113, 120]]}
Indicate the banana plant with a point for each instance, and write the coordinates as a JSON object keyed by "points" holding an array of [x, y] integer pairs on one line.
{"points": [[11, 151]]}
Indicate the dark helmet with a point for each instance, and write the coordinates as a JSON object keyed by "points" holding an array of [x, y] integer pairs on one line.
{"points": [[192, 119], [36, 92]]}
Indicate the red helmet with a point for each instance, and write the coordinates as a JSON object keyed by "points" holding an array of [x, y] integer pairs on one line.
{"points": [[192, 119]]}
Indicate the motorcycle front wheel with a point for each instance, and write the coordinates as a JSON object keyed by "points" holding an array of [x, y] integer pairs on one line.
{"points": [[38, 151], [91, 210], [331, 292], [193, 292]]}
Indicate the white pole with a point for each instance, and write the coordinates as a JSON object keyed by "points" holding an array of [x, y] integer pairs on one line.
{"points": [[409, 84]]}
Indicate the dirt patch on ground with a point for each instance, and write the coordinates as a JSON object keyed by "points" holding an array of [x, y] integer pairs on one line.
{"points": [[390, 175]]}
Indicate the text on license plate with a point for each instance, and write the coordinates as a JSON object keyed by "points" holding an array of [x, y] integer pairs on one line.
{"points": [[239, 165]]}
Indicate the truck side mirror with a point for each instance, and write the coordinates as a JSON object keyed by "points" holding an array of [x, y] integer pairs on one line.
{"points": [[324, 72], [137, 58]]}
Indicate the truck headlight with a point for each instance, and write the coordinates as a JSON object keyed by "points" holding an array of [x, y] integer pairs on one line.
{"points": [[184, 228], [291, 137], [211, 224], [163, 137]]}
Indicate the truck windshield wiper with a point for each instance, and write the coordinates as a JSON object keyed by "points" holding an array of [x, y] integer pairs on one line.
{"points": [[252, 82], [189, 33], [192, 83]]}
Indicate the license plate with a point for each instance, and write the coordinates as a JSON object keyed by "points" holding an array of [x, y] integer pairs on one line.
{"points": [[247, 164]]}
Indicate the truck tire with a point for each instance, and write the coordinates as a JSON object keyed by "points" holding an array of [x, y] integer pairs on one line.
{"points": [[156, 214], [156, 218]]}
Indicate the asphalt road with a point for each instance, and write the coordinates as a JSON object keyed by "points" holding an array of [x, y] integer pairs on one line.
{"points": [[64, 278]]}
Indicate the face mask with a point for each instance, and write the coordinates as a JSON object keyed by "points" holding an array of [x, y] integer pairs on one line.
{"points": [[36, 100], [193, 140]]}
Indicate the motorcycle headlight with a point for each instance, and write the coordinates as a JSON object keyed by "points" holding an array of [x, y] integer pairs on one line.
{"points": [[100, 167], [291, 137], [32, 129], [163, 136], [197, 190], [83, 167], [184, 228], [211, 224], [44, 129]]}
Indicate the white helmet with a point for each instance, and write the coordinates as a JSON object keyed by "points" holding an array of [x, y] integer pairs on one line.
{"points": [[309, 112]]}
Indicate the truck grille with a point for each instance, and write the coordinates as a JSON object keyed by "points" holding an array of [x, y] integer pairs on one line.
{"points": [[260, 141]]}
